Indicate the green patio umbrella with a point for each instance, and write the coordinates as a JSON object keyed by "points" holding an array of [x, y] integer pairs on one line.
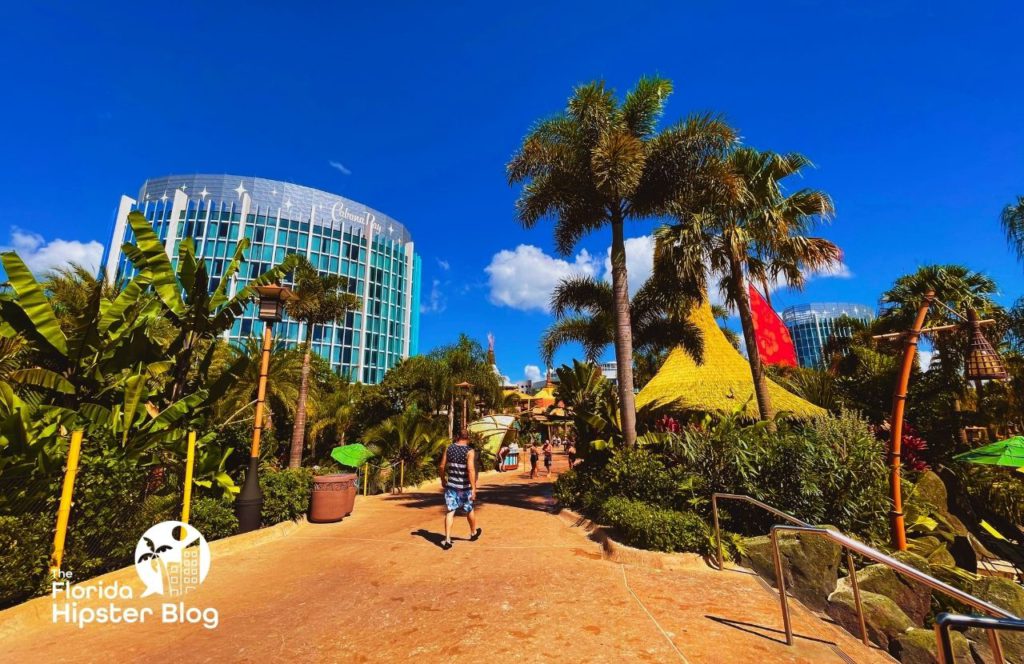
{"points": [[354, 455], [1009, 452]]}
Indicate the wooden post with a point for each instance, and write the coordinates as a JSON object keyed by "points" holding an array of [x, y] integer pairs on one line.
{"points": [[366, 476], [899, 400], [190, 458], [401, 477], [64, 511]]}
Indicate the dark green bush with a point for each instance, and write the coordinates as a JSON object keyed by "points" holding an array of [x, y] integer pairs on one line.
{"points": [[25, 543], [214, 518], [285, 493], [649, 527]]}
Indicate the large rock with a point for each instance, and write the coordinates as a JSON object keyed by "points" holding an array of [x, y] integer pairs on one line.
{"points": [[885, 621], [913, 598], [810, 564], [918, 646], [930, 489], [1006, 595]]}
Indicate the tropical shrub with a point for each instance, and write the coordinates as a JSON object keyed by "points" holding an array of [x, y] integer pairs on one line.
{"points": [[214, 518], [650, 527], [285, 493], [25, 543]]}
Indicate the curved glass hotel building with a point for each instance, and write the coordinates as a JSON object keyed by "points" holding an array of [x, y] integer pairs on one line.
{"points": [[339, 236], [811, 325]]}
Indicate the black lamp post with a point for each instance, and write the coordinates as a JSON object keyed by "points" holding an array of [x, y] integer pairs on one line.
{"points": [[249, 503]]}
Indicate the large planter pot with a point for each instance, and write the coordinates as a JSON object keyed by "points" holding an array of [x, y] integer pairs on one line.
{"points": [[333, 497]]}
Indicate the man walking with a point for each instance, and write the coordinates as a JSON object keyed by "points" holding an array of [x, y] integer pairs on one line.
{"points": [[458, 477]]}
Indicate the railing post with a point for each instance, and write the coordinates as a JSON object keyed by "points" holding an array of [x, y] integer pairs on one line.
{"points": [[64, 510], [366, 476], [718, 533], [401, 477], [997, 648], [780, 581], [856, 597], [945, 647], [190, 459]]}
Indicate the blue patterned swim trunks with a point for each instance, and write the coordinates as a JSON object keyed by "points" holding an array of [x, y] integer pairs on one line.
{"points": [[455, 499]]}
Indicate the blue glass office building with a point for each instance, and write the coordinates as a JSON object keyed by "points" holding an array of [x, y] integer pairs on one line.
{"points": [[339, 236], [811, 325]]}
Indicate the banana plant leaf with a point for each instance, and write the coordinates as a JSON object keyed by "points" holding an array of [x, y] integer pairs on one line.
{"points": [[1009, 452], [354, 455]]}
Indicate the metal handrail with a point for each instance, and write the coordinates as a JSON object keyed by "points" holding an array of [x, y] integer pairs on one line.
{"points": [[850, 566], [752, 501], [944, 621], [852, 546]]}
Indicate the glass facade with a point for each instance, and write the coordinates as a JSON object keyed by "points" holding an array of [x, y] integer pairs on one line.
{"points": [[811, 325], [374, 252]]}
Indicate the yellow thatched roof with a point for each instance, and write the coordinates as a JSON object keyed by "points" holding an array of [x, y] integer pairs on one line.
{"points": [[720, 384]]}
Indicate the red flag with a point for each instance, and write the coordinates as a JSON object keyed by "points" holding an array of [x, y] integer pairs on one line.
{"points": [[773, 340]]}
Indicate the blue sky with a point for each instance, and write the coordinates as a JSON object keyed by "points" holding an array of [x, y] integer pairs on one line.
{"points": [[913, 113]]}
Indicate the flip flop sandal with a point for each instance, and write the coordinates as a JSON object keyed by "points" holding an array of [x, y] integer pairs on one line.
{"points": [[475, 536]]}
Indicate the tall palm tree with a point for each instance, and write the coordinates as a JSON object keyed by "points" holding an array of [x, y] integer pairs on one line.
{"points": [[584, 310], [602, 162], [1012, 219], [318, 299], [754, 233]]}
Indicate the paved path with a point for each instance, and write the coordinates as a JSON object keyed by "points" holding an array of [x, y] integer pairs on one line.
{"points": [[377, 588]]}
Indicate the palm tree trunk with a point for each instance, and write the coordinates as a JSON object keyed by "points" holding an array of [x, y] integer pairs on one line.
{"points": [[451, 417], [623, 333], [764, 401], [299, 430]]}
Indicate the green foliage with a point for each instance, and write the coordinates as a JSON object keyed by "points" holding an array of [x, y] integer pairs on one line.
{"points": [[650, 527], [828, 471], [286, 493], [410, 437], [25, 541], [214, 518]]}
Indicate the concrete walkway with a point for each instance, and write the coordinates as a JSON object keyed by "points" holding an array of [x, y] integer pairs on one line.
{"points": [[377, 588]]}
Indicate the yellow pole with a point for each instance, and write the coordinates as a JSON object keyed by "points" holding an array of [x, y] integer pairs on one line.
{"points": [[366, 476], [401, 477], [64, 511], [190, 459]]}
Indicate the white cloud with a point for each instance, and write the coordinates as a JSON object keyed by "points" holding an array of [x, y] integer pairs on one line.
{"points": [[337, 165], [443, 264], [839, 271], [639, 261], [531, 372], [41, 256], [525, 278], [437, 301], [924, 358]]}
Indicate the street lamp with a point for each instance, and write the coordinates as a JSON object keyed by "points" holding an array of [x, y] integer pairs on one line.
{"points": [[249, 503], [467, 387], [982, 363]]}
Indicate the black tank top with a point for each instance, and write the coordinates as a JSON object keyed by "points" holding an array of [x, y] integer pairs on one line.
{"points": [[457, 466]]}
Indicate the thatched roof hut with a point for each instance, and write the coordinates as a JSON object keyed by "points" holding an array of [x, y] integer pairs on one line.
{"points": [[720, 384]]}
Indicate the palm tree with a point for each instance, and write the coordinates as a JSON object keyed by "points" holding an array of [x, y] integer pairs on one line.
{"points": [[318, 299], [958, 288], [410, 438], [335, 415], [584, 310], [1012, 219], [756, 233], [465, 361], [283, 388], [602, 162]]}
